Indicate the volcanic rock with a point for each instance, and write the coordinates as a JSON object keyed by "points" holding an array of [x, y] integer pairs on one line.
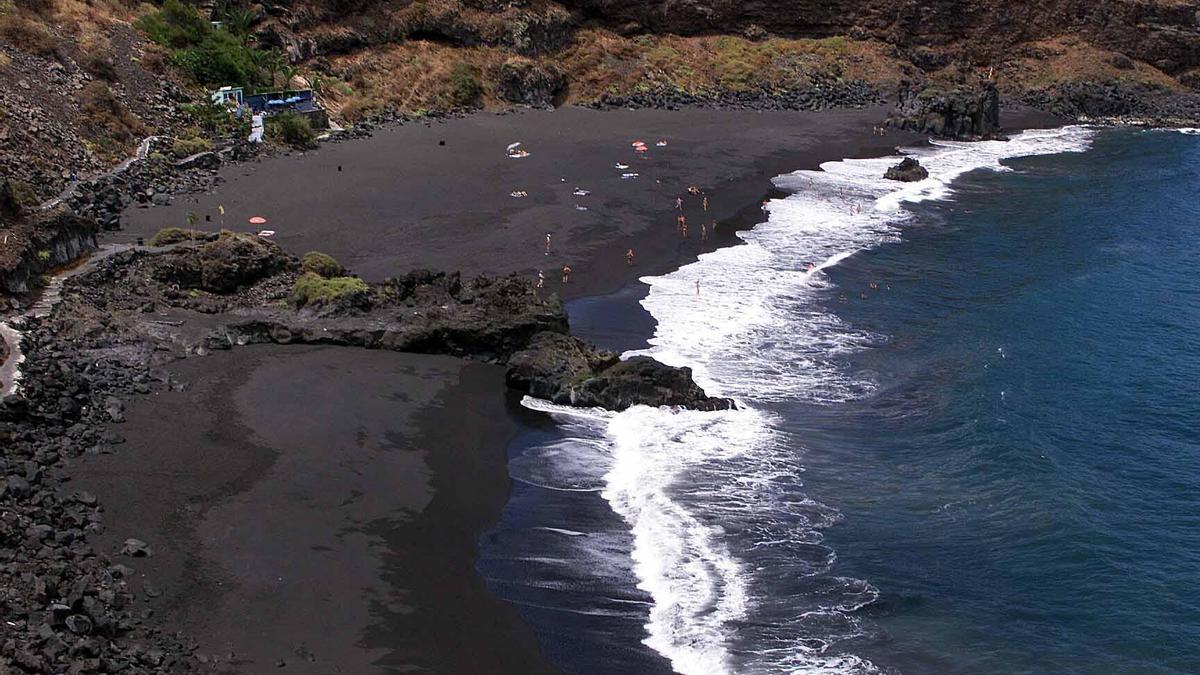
{"points": [[909, 170]]}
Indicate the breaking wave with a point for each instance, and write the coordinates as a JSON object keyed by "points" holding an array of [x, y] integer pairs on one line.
{"points": [[715, 500]]}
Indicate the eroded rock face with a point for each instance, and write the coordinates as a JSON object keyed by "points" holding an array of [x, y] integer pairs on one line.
{"points": [[908, 170], [964, 113], [529, 83]]}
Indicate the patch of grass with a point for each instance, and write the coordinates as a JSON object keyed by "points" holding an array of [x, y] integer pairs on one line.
{"points": [[321, 264], [43, 256], [100, 64], [28, 35], [24, 194], [292, 129], [189, 145], [312, 290], [105, 118], [174, 235]]}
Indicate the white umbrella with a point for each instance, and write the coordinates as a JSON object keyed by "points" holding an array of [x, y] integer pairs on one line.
{"points": [[512, 147]]}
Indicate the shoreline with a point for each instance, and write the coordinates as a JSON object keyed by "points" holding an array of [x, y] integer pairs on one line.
{"points": [[668, 257]]}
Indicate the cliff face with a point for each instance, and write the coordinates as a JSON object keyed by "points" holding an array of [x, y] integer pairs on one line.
{"points": [[1165, 33]]}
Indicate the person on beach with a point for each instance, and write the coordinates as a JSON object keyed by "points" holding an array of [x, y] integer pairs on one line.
{"points": [[703, 232], [683, 228], [679, 203], [566, 273], [681, 223], [541, 282], [714, 225], [705, 203], [697, 287], [629, 257], [547, 243]]}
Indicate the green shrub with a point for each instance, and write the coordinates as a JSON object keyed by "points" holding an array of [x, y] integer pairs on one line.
{"points": [[24, 194], [312, 290], [186, 147], [43, 256], [321, 264], [465, 89], [176, 25], [218, 59], [292, 129], [208, 55], [174, 235]]}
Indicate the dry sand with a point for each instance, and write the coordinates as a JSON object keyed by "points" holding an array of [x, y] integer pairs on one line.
{"points": [[402, 200]]}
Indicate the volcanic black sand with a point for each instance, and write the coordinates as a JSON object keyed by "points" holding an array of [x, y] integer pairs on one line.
{"points": [[402, 200], [322, 507]]}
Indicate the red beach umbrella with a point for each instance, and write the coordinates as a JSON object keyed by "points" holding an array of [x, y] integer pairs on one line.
{"points": [[258, 220]]}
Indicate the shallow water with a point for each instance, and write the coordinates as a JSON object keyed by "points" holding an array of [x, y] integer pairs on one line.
{"points": [[966, 442]]}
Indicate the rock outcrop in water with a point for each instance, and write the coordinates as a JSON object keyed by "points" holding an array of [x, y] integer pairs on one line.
{"points": [[569, 371], [909, 170]]}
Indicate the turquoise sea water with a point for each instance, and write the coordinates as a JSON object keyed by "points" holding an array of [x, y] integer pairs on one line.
{"points": [[969, 443]]}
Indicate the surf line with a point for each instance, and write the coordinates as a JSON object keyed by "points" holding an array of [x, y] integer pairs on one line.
{"points": [[763, 334]]}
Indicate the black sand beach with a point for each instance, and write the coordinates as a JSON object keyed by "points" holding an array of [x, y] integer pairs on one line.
{"points": [[319, 508], [403, 201], [322, 507]]}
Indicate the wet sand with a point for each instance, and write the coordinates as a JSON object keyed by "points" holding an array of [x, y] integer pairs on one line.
{"points": [[319, 507]]}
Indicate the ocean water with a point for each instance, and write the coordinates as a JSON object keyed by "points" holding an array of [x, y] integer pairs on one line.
{"points": [[968, 440]]}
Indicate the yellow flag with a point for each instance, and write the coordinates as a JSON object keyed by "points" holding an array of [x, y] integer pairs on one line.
{"points": [[221, 209]]}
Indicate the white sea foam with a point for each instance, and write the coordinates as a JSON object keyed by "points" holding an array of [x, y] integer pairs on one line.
{"points": [[714, 500]]}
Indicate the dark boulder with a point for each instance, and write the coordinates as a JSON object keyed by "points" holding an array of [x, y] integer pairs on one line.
{"points": [[640, 380], [569, 371], [908, 170], [965, 113], [527, 82], [553, 364], [230, 262]]}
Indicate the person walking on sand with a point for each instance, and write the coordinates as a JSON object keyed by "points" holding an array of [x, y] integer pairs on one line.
{"points": [[705, 203], [697, 287], [541, 282], [679, 203], [683, 229], [566, 273], [703, 232], [629, 257], [547, 243]]}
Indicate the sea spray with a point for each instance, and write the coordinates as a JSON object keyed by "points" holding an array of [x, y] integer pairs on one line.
{"points": [[715, 501]]}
